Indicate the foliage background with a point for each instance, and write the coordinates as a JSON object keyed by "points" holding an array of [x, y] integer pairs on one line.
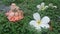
{"points": [[29, 7]]}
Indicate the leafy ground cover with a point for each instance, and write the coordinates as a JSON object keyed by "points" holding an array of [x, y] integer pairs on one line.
{"points": [[29, 7]]}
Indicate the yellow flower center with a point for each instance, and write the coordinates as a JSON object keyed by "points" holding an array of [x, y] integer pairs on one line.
{"points": [[43, 8], [38, 22]]}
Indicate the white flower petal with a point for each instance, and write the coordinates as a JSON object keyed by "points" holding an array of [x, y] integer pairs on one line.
{"points": [[55, 6], [46, 7], [38, 6], [42, 4], [45, 20], [38, 28], [33, 23], [45, 26], [51, 5], [36, 16]]}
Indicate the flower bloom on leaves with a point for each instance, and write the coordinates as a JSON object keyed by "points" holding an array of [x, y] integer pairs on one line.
{"points": [[39, 23], [51, 5], [14, 14], [42, 6]]}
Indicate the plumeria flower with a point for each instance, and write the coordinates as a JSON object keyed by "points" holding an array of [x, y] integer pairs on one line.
{"points": [[51, 5], [39, 23], [42, 6]]}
